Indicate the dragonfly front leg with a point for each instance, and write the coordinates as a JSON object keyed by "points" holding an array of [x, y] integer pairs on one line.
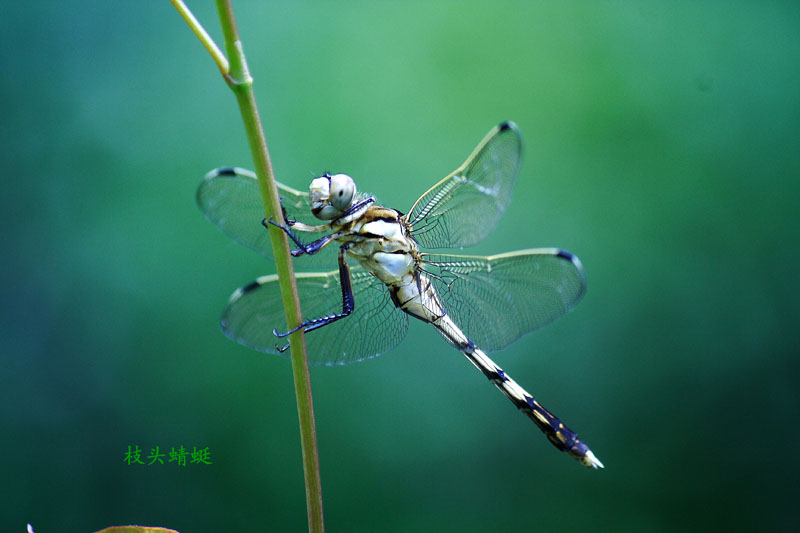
{"points": [[357, 206], [348, 302], [310, 248]]}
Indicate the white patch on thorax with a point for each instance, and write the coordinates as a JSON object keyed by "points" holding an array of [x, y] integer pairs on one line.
{"points": [[389, 230], [390, 268]]}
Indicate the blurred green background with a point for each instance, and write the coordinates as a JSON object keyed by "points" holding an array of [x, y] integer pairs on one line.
{"points": [[661, 146]]}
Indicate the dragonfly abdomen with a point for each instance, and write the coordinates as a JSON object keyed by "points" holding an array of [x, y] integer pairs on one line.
{"points": [[556, 432]]}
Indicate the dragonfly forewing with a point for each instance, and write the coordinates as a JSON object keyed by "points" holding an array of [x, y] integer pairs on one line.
{"points": [[230, 198], [374, 327], [464, 207], [497, 299]]}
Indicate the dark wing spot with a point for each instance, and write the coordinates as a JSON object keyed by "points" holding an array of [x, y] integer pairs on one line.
{"points": [[565, 255], [250, 286]]}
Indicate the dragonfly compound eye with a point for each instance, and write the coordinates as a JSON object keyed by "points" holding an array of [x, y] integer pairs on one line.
{"points": [[342, 192]]}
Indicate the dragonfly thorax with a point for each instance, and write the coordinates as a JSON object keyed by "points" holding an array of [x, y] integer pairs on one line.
{"points": [[379, 241], [331, 195]]}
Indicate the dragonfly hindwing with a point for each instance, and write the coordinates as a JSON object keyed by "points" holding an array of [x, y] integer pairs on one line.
{"points": [[497, 299], [254, 311]]}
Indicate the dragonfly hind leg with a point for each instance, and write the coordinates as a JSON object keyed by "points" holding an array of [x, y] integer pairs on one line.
{"points": [[348, 302]]}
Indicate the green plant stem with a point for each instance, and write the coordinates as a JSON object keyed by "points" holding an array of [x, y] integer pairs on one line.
{"points": [[239, 80], [203, 36]]}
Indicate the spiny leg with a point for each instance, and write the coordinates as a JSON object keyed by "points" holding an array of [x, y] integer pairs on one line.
{"points": [[310, 248], [355, 207], [348, 302], [314, 246], [317, 245]]}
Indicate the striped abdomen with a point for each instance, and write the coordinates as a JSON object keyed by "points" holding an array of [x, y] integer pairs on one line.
{"points": [[556, 432], [416, 296]]}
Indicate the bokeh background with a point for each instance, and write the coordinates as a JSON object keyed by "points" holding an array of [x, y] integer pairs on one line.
{"points": [[661, 146]]}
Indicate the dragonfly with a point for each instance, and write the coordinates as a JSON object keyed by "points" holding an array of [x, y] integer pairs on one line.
{"points": [[361, 309]]}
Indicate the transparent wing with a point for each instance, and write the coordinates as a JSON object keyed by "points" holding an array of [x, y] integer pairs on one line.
{"points": [[497, 299], [463, 208], [374, 327], [229, 197]]}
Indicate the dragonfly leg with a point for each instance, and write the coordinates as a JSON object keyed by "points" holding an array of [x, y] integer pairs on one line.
{"points": [[348, 301], [310, 248], [355, 207], [314, 246], [285, 229], [289, 221]]}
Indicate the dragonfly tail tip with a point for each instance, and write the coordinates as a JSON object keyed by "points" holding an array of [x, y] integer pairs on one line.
{"points": [[591, 461]]}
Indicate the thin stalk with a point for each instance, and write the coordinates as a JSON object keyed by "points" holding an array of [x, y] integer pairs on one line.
{"points": [[239, 80], [203, 36]]}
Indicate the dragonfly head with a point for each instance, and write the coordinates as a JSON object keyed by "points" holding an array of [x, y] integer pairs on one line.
{"points": [[330, 196]]}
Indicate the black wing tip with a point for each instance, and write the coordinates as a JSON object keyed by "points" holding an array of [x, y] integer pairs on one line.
{"points": [[507, 125], [226, 171], [253, 285], [569, 256], [572, 258], [221, 171]]}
